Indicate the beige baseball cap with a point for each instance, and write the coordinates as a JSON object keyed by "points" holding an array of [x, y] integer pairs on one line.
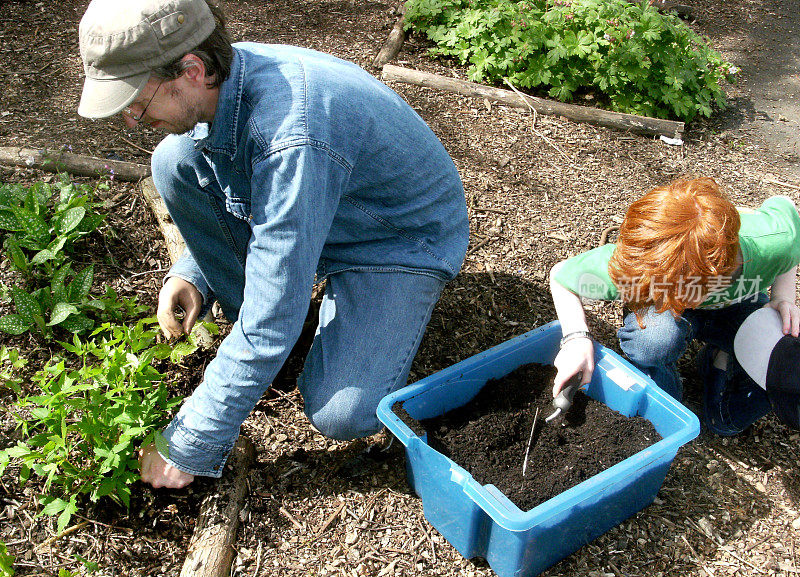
{"points": [[122, 41]]}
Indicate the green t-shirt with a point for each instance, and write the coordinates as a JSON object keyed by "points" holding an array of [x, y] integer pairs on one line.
{"points": [[769, 238]]}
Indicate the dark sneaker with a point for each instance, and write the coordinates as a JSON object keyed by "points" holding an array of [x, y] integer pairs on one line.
{"points": [[729, 406]]}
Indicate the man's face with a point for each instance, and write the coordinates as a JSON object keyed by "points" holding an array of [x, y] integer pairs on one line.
{"points": [[163, 105]]}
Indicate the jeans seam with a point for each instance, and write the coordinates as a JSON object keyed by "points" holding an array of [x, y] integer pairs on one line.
{"points": [[408, 356]]}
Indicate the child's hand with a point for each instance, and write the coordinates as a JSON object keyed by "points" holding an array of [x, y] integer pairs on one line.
{"points": [[790, 315], [576, 356]]}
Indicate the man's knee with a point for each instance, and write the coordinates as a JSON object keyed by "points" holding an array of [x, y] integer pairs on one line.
{"points": [[344, 416], [168, 164]]}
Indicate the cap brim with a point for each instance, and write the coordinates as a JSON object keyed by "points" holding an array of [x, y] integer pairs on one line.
{"points": [[755, 340], [104, 98]]}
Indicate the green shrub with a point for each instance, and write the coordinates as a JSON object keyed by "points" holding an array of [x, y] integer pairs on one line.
{"points": [[82, 426], [644, 62]]}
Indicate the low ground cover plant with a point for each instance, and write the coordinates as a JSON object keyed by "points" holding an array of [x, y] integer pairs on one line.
{"points": [[637, 59], [81, 417], [83, 423], [43, 225]]}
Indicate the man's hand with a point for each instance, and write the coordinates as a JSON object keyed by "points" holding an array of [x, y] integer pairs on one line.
{"points": [[156, 471], [178, 293], [576, 356], [790, 315]]}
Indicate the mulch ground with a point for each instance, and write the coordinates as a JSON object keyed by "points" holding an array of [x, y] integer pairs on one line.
{"points": [[727, 507]]}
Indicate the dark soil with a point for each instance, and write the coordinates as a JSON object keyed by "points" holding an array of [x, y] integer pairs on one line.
{"points": [[489, 435]]}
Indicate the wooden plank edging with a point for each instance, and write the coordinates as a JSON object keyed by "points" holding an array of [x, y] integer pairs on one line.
{"points": [[617, 120]]}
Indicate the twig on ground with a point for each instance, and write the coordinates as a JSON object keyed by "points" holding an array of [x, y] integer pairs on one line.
{"points": [[286, 397], [133, 144], [533, 125], [771, 180], [697, 557], [63, 533], [333, 516], [292, 520]]}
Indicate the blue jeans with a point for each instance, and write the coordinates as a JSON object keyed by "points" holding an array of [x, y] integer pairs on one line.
{"points": [[655, 349]]}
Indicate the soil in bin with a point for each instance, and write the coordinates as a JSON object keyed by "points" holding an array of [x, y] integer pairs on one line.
{"points": [[488, 437]]}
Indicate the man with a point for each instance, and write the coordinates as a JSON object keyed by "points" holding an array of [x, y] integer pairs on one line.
{"points": [[281, 164]]}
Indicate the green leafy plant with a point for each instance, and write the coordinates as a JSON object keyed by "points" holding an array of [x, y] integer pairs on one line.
{"points": [[6, 562], [10, 365], [640, 60], [82, 427], [39, 236], [66, 303], [40, 239]]}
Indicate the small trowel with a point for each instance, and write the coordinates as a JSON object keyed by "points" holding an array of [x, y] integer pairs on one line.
{"points": [[562, 403]]}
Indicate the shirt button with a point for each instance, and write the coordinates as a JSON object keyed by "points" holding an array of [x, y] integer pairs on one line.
{"points": [[181, 18]]}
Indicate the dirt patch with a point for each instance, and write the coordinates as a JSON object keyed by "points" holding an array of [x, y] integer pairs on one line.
{"points": [[489, 436]]}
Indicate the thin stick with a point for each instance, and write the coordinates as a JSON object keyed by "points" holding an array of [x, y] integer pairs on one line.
{"points": [[530, 440], [533, 124], [288, 515], [697, 557], [333, 516], [285, 397], [480, 245], [133, 144], [63, 533], [258, 559], [781, 183]]}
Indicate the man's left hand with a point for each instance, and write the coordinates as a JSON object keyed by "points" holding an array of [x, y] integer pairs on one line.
{"points": [[156, 471]]}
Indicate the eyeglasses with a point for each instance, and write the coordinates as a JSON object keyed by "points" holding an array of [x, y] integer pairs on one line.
{"points": [[138, 117]]}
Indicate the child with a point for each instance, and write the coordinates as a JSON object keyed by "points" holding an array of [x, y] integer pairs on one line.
{"points": [[688, 265]]}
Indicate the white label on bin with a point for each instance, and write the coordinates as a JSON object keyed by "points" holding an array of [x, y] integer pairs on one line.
{"points": [[624, 379]]}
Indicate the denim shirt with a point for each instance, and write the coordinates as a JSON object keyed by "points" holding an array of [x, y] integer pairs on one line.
{"points": [[332, 171]]}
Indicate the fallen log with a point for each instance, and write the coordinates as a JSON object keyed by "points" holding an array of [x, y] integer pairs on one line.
{"points": [[170, 232], [395, 40], [210, 552], [60, 161], [617, 120]]}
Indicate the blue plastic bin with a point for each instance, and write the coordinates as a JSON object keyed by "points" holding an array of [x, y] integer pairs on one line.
{"points": [[478, 520]]}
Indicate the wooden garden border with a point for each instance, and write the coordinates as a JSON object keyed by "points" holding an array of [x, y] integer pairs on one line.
{"points": [[617, 120]]}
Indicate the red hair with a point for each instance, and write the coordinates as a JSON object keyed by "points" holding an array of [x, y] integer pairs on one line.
{"points": [[673, 241]]}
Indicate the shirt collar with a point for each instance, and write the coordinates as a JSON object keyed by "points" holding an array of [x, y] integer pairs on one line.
{"points": [[220, 135]]}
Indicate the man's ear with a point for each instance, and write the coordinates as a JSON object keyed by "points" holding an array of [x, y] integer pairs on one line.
{"points": [[195, 70]]}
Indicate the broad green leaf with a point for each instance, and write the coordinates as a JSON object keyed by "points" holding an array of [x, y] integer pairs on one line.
{"points": [[43, 256], [14, 324], [161, 443], [60, 313], [27, 306], [71, 219], [81, 285], [70, 509], [32, 224], [17, 256], [54, 506], [6, 561], [8, 221], [77, 323]]}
